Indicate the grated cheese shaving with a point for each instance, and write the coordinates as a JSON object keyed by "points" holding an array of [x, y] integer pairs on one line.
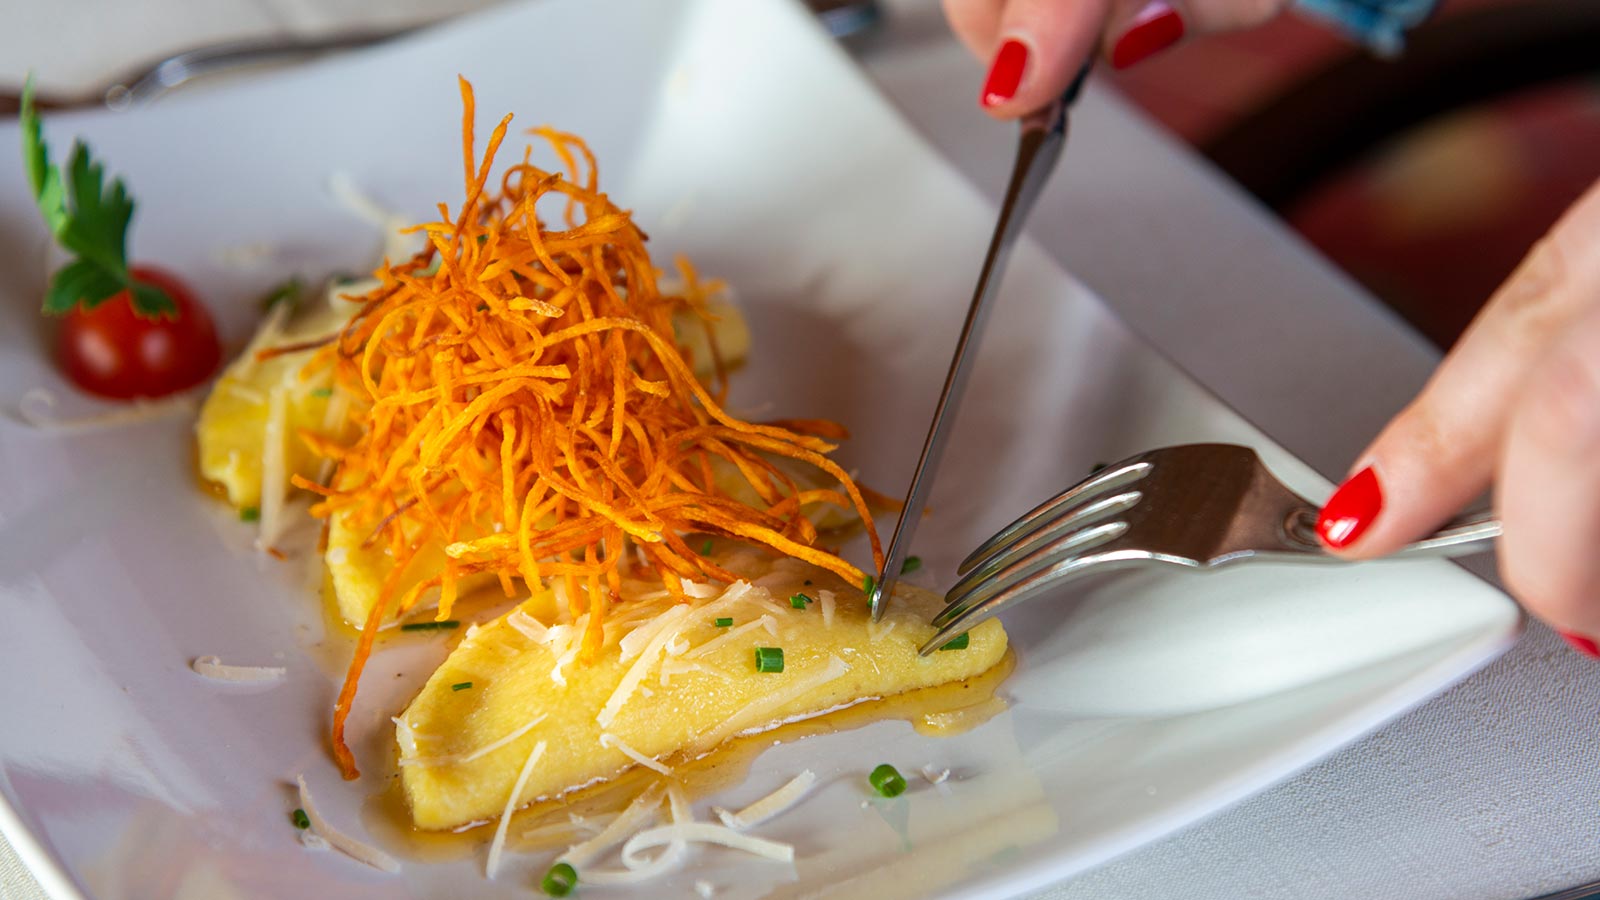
{"points": [[716, 643], [704, 889], [763, 601], [499, 842], [825, 598], [212, 667], [638, 813], [557, 673], [666, 629], [406, 736], [639, 869], [274, 469], [593, 824], [529, 627], [737, 591], [706, 833], [636, 641], [608, 739], [672, 667], [574, 826], [457, 758], [349, 846], [774, 804], [934, 776], [762, 710], [397, 244], [37, 409]]}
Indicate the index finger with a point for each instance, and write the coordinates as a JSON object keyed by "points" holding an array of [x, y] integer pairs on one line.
{"points": [[1039, 47]]}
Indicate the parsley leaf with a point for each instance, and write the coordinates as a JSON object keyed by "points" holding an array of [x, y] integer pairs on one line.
{"points": [[76, 280], [88, 218]]}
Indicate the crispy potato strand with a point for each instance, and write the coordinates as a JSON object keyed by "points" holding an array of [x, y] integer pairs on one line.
{"points": [[526, 404]]}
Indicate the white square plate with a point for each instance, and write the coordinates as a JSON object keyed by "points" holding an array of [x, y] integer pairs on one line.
{"points": [[747, 140]]}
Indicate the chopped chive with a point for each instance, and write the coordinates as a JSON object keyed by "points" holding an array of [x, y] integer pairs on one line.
{"points": [[461, 686], [887, 780], [724, 622], [250, 514], [959, 642], [322, 392], [560, 880], [300, 819], [867, 585], [430, 626], [911, 564], [705, 549], [769, 659], [799, 601]]}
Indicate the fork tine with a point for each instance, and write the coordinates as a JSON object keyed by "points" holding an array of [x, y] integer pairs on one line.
{"points": [[1061, 553], [1043, 531], [974, 614], [1108, 479]]}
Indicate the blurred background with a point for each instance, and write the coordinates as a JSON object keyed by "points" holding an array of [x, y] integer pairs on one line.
{"points": [[1426, 178]]}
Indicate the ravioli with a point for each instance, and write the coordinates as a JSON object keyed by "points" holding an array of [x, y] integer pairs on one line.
{"points": [[232, 427], [231, 431], [670, 683]]}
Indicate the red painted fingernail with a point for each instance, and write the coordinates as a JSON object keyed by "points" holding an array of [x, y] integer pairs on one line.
{"points": [[1581, 644], [1155, 28], [1350, 510], [1005, 74]]}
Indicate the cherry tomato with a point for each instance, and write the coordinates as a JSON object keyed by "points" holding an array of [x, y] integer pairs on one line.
{"points": [[113, 352]]}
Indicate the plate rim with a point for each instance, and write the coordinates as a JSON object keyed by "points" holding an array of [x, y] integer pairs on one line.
{"points": [[38, 854]]}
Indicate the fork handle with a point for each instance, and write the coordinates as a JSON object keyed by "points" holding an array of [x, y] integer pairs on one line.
{"points": [[1460, 536]]}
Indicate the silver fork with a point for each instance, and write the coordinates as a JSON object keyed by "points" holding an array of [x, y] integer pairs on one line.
{"points": [[1200, 506]]}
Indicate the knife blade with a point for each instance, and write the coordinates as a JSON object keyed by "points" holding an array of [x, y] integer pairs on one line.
{"points": [[1042, 135]]}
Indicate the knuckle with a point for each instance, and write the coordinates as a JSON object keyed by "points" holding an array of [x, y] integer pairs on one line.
{"points": [[1539, 276], [1528, 308], [1561, 407]]}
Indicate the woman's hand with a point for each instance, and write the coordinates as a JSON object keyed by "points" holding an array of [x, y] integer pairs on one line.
{"points": [[1516, 403], [1035, 47]]}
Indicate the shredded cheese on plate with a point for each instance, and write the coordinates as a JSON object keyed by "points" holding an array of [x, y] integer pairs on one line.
{"points": [[213, 667]]}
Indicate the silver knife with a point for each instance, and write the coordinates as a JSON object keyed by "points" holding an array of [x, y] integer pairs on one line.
{"points": [[1038, 147]]}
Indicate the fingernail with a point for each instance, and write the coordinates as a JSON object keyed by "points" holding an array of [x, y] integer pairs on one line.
{"points": [[1005, 73], [1581, 644], [1154, 28], [1350, 510]]}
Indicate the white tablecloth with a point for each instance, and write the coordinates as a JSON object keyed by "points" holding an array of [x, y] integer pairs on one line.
{"points": [[1489, 791]]}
